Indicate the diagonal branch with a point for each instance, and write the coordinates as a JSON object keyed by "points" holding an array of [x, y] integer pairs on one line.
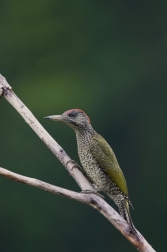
{"points": [[91, 199], [6, 91]]}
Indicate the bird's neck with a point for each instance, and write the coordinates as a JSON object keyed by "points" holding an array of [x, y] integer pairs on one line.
{"points": [[85, 135]]}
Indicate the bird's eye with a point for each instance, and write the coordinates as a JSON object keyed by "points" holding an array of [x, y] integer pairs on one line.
{"points": [[73, 115]]}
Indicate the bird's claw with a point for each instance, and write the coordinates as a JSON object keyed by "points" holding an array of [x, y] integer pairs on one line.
{"points": [[92, 192], [75, 165]]}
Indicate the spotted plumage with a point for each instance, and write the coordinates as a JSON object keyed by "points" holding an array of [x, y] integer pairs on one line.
{"points": [[98, 161]]}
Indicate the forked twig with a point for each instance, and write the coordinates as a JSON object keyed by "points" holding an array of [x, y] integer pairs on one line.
{"points": [[90, 199]]}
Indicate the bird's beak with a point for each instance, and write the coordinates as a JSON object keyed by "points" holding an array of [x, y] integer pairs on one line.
{"points": [[55, 118]]}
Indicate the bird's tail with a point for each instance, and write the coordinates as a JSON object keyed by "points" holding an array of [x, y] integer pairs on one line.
{"points": [[123, 206], [124, 212]]}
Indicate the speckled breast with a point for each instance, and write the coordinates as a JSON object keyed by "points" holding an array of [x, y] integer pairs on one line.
{"points": [[91, 167]]}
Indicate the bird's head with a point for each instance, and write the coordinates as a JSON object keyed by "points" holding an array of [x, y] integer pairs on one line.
{"points": [[75, 118]]}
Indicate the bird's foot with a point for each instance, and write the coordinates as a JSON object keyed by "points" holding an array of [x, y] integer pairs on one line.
{"points": [[75, 165], [92, 191]]}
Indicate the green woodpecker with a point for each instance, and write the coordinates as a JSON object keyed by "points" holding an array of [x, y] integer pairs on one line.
{"points": [[98, 160]]}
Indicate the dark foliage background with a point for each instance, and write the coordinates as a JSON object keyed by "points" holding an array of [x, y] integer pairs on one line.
{"points": [[109, 59]]}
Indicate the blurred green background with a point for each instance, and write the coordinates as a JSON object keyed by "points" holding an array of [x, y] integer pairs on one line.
{"points": [[109, 59]]}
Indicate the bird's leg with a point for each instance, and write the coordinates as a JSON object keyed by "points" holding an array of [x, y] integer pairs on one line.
{"points": [[94, 191], [75, 165]]}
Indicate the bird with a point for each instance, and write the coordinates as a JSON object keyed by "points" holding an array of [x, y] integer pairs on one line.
{"points": [[98, 161]]}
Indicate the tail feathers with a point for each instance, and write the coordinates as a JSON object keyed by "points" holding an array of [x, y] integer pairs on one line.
{"points": [[123, 205], [124, 212]]}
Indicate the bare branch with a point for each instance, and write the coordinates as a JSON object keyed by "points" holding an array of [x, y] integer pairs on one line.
{"points": [[6, 91], [91, 199]]}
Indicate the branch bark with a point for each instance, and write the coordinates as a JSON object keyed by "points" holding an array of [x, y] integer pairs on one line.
{"points": [[90, 199]]}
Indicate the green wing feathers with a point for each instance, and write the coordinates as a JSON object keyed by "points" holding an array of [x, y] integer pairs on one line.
{"points": [[108, 162]]}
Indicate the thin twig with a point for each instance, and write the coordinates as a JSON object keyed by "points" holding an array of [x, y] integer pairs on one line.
{"points": [[91, 199]]}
